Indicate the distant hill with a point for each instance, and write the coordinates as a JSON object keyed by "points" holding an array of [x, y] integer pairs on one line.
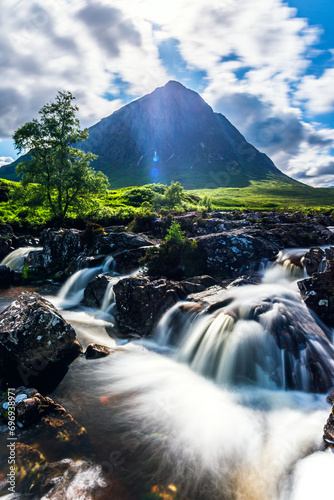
{"points": [[173, 134]]}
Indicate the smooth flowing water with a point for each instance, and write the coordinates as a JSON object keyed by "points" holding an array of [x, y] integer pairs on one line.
{"points": [[15, 260], [214, 418], [226, 402]]}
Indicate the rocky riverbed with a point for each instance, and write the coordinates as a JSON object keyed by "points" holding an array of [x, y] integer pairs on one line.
{"points": [[237, 323]]}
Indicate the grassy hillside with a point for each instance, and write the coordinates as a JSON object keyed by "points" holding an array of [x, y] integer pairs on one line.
{"points": [[270, 195], [24, 208]]}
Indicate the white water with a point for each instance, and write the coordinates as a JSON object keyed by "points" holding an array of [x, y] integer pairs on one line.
{"points": [[215, 420], [72, 292], [15, 260]]}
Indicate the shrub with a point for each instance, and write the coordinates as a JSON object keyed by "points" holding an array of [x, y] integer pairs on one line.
{"points": [[142, 221], [177, 257]]}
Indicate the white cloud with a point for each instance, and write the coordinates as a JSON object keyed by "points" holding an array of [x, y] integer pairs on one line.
{"points": [[5, 160], [254, 53], [317, 93]]}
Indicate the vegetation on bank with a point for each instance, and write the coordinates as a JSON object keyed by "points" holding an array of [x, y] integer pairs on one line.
{"points": [[177, 257], [25, 210]]}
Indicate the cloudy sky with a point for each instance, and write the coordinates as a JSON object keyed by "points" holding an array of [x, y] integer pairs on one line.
{"points": [[267, 65]]}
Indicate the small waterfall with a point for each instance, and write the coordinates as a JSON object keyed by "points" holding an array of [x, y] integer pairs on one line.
{"points": [[71, 293], [15, 260], [175, 322]]}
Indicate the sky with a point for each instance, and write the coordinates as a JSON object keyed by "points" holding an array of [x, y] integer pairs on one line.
{"points": [[267, 65]]}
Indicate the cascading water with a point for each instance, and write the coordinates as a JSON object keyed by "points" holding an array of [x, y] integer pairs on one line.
{"points": [[215, 418], [71, 293], [15, 260]]}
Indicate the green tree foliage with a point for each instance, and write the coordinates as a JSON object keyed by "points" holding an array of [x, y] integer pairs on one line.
{"points": [[174, 195], [60, 169], [177, 257]]}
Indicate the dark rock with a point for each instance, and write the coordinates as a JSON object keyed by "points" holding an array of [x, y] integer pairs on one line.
{"points": [[328, 436], [35, 340], [95, 351], [96, 289], [141, 301], [231, 252], [6, 237], [61, 250], [318, 294], [117, 242], [312, 260], [301, 235], [128, 261], [6, 276], [246, 279]]}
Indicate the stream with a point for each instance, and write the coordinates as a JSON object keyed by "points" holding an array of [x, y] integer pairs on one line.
{"points": [[224, 408]]}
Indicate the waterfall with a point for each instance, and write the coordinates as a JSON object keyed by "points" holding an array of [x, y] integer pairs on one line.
{"points": [[234, 411], [262, 335], [15, 260], [71, 293]]}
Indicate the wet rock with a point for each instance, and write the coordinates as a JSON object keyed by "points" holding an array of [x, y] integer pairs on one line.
{"points": [[328, 436], [231, 252], [312, 260], [318, 294], [117, 242], [141, 301], [301, 235], [96, 289], [6, 237], [60, 249], [95, 351], [128, 261], [6, 276], [247, 279], [34, 341]]}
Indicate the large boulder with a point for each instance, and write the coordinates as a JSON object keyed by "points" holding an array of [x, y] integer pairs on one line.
{"points": [[36, 343], [6, 237], [318, 294], [6, 276], [312, 260], [301, 234], [141, 301], [230, 252], [95, 290], [61, 249], [110, 242]]}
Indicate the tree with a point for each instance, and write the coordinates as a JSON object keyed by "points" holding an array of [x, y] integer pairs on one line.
{"points": [[61, 169], [174, 194]]}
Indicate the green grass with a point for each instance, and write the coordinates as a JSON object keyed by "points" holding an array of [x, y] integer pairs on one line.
{"points": [[273, 195], [25, 211]]}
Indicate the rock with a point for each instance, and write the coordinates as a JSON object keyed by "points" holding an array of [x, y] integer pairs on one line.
{"points": [[312, 260], [61, 249], [232, 252], [211, 226], [95, 351], [6, 276], [247, 279], [318, 294], [128, 261], [6, 237], [141, 301], [117, 242], [34, 341], [96, 289], [301, 235], [328, 436]]}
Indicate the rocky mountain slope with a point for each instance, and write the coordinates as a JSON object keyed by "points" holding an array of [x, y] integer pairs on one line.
{"points": [[173, 134]]}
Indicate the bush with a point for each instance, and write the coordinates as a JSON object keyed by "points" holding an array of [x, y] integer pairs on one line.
{"points": [[177, 257], [143, 221]]}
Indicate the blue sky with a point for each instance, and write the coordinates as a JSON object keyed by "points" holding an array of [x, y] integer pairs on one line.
{"points": [[268, 65]]}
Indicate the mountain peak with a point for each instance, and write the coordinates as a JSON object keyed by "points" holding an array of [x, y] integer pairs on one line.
{"points": [[172, 134]]}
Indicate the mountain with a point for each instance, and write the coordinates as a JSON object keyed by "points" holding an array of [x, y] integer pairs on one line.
{"points": [[173, 134]]}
